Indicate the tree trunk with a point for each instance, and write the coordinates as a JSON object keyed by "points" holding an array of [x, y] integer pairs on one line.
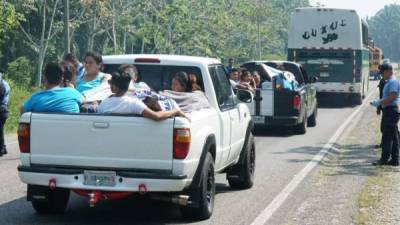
{"points": [[124, 41], [92, 35], [114, 32], [66, 27], [142, 49], [41, 46]]}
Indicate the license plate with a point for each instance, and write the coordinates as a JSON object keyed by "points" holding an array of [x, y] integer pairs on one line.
{"points": [[99, 178], [324, 74], [258, 119]]}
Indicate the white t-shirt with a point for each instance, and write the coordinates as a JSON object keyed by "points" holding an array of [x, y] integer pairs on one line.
{"points": [[233, 83], [123, 105]]}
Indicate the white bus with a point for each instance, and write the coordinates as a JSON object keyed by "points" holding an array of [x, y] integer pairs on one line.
{"points": [[331, 44]]}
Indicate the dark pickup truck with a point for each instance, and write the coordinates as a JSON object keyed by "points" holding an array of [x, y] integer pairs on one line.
{"points": [[274, 106]]}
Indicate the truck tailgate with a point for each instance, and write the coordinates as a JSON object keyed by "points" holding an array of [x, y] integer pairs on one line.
{"points": [[283, 102], [101, 141], [263, 104]]}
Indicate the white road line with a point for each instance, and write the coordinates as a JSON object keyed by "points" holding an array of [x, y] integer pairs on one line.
{"points": [[267, 213], [12, 143]]}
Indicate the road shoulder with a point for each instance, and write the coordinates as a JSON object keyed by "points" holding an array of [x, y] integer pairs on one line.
{"points": [[346, 189]]}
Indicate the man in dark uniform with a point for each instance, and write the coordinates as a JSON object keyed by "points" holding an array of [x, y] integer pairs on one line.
{"points": [[4, 97], [389, 103], [381, 85]]}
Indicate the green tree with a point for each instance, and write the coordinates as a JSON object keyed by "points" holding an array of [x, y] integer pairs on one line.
{"points": [[20, 72], [385, 30], [9, 19]]}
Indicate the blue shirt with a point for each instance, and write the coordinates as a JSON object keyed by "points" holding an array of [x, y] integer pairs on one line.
{"points": [[57, 99], [82, 85], [392, 85], [229, 69], [5, 96]]}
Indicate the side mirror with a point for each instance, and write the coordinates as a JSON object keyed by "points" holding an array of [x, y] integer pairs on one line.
{"points": [[314, 79], [244, 96]]}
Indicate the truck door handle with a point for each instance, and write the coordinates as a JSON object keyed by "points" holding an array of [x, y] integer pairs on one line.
{"points": [[101, 125]]}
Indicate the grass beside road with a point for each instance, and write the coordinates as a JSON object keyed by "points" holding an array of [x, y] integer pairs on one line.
{"points": [[18, 95], [378, 200], [370, 198]]}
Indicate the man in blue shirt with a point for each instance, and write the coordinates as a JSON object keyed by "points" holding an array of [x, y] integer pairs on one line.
{"points": [[4, 97], [229, 67], [390, 106], [53, 98]]}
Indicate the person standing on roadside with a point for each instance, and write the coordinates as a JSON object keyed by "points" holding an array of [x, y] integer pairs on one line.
{"points": [[390, 108], [4, 97], [381, 85], [230, 65]]}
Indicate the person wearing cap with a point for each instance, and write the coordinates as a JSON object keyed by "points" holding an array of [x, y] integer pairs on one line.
{"points": [[389, 103], [4, 97]]}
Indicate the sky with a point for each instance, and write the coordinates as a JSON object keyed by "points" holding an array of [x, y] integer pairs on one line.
{"points": [[364, 7]]}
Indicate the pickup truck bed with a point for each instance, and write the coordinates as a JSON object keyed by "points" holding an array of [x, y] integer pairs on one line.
{"points": [[272, 107]]}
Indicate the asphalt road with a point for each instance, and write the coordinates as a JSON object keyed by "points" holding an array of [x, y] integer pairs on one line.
{"points": [[280, 156]]}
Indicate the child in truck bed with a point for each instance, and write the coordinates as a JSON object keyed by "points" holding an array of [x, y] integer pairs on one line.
{"points": [[119, 102]]}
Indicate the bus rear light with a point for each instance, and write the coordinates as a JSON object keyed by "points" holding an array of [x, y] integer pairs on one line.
{"points": [[24, 137], [52, 184], [182, 139], [296, 102]]}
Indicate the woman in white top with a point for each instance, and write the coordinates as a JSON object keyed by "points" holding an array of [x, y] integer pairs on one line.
{"points": [[119, 102]]}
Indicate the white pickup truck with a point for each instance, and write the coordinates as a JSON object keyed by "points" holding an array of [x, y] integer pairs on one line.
{"points": [[114, 156]]}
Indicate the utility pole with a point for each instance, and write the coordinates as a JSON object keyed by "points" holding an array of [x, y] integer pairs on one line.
{"points": [[66, 27]]}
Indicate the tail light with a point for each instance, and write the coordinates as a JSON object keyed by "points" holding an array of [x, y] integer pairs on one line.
{"points": [[24, 137], [296, 101], [182, 140], [147, 60]]}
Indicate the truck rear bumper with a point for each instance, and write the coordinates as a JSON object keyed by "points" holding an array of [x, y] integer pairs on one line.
{"points": [[125, 180], [275, 120], [336, 87]]}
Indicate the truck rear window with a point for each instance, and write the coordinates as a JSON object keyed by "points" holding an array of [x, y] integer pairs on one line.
{"points": [[158, 77]]}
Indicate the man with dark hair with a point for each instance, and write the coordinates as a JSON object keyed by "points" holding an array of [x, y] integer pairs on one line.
{"points": [[4, 97], [120, 103], [135, 83], [71, 58], [54, 98], [390, 106]]}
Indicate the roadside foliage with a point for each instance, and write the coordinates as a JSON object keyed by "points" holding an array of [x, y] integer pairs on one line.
{"points": [[31, 31]]}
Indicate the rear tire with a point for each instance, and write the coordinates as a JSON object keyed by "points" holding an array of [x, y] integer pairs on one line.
{"points": [[357, 99], [56, 203], [203, 209], [312, 120], [241, 176], [302, 127]]}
